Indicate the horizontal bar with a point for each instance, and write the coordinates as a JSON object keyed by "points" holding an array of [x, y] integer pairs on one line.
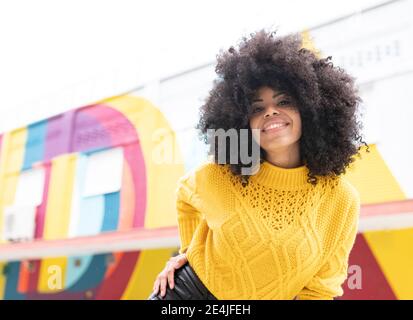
{"points": [[378, 216], [119, 241], [386, 208]]}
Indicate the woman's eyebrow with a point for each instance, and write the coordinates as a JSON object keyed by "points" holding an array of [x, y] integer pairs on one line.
{"points": [[275, 95]]}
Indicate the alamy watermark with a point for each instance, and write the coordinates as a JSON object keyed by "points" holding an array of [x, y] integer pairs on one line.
{"points": [[354, 279], [55, 278], [241, 146]]}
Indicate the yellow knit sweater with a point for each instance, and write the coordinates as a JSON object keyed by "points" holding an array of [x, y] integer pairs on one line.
{"points": [[278, 238]]}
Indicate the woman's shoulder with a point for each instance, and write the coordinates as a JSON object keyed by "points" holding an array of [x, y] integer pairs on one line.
{"points": [[347, 190], [344, 201], [340, 209]]}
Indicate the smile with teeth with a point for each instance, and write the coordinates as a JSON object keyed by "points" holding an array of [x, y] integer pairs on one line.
{"points": [[275, 126]]}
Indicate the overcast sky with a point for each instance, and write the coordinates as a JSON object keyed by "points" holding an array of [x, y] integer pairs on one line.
{"points": [[49, 47]]}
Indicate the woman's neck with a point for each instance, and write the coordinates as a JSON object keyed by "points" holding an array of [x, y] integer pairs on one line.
{"points": [[288, 158]]}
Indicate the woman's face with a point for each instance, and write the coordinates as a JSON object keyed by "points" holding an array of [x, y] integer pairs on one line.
{"points": [[278, 119]]}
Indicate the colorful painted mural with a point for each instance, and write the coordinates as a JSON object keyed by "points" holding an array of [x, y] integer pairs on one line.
{"points": [[63, 147]]}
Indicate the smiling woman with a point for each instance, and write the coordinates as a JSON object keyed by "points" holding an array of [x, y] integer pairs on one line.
{"points": [[286, 231]]}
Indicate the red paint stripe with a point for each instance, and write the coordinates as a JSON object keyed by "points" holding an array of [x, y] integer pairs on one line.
{"points": [[374, 285], [114, 286], [34, 276], [41, 210]]}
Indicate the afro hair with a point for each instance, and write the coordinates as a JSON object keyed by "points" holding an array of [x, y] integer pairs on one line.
{"points": [[326, 97]]}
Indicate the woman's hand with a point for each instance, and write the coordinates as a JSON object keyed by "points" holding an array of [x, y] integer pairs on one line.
{"points": [[167, 274]]}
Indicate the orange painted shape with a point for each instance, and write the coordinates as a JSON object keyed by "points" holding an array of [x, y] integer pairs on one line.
{"points": [[113, 265], [127, 200], [24, 277]]}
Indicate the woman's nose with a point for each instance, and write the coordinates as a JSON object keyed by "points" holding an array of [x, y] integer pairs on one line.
{"points": [[271, 112]]}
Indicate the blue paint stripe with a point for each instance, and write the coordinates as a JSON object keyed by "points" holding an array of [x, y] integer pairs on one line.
{"points": [[76, 268], [12, 281], [93, 276], [111, 218], [91, 209], [34, 151]]}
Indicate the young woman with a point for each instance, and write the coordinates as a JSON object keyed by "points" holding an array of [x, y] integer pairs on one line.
{"points": [[286, 231]]}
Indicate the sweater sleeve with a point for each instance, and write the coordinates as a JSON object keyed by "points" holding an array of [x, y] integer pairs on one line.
{"points": [[327, 283], [187, 210]]}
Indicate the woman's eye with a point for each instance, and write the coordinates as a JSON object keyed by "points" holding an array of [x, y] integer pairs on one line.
{"points": [[256, 109], [284, 102]]}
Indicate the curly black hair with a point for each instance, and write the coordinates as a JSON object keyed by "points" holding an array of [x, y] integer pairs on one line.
{"points": [[326, 97]]}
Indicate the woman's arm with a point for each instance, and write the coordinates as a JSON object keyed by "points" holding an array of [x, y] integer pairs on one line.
{"points": [[326, 284], [187, 210]]}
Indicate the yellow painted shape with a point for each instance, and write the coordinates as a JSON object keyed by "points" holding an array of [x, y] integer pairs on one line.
{"points": [[393, 252], [14, 144], [12, 157], [60, 197], [309, 44], [57, 217], [147, 268], [373, 178], [154, 133], [52, 275]]}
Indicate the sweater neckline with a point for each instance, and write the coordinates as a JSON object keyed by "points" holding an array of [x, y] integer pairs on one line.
{"points": [[281, 178]]}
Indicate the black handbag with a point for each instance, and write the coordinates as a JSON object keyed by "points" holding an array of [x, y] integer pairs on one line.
{"points": [[187, 287]]}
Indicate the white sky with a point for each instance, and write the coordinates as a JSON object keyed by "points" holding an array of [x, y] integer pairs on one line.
{"points": [[54, 53]]}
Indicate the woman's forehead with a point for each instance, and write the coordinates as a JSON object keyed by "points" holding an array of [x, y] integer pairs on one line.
{"points": [[268, 90]]}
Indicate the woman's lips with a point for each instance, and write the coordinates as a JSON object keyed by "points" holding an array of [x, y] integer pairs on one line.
{"points": [[274, 130]]}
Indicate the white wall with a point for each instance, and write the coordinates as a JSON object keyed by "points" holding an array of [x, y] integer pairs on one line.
{"points": [[376, 47]]}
